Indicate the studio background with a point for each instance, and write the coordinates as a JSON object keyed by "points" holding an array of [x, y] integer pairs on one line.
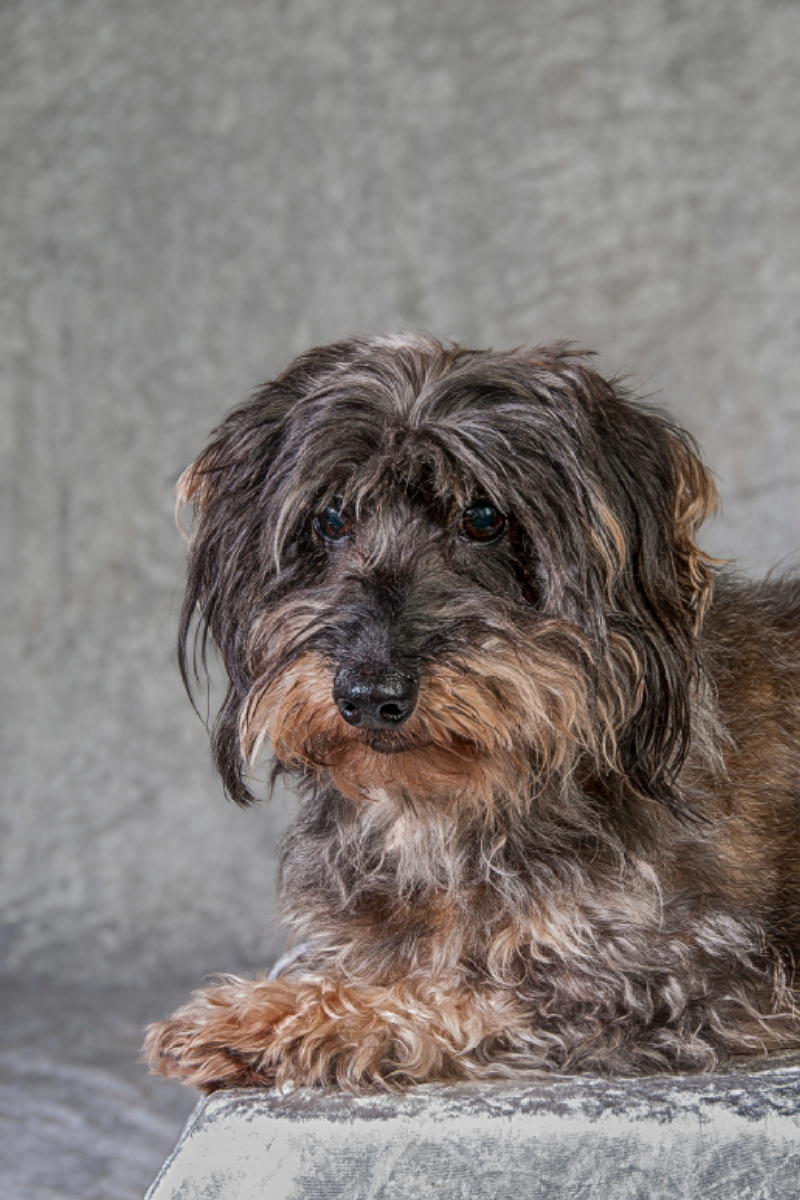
{"points": [[195, 191]]}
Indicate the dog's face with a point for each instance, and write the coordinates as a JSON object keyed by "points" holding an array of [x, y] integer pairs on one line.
{"points": [[448, 576]]}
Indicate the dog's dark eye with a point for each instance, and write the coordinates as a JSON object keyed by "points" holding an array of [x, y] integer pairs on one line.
{"points": [[482, 522], [333, 524]]}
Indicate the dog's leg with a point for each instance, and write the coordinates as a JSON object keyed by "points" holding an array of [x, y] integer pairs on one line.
{"points": [[246, 1033], [221, 1037]]}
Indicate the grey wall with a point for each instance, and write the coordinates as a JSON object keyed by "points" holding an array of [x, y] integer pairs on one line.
{"points": [[195, 190]]}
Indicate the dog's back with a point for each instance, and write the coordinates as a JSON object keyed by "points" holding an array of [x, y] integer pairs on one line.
{"points": [[751, 650]]}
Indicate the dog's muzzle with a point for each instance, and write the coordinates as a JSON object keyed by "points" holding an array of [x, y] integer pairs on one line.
{"points": [[374, 700]]}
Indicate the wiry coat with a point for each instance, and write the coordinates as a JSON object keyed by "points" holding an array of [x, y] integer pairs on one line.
{"points": [[578, 849]]}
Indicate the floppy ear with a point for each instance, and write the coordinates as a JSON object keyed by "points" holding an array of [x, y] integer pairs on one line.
{"points": [[659, 492], [230, 564]]}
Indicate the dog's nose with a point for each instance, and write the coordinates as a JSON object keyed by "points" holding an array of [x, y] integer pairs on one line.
{"points": [[374, 701]]}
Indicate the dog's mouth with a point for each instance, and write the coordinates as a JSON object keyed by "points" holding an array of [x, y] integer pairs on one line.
{"points": [[391, 743]]}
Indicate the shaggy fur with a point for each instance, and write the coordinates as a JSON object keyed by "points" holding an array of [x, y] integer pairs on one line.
{"points": [[550, 790]]}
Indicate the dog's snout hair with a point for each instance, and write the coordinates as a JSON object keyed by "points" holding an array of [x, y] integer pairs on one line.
{"points": [[546, 748]]}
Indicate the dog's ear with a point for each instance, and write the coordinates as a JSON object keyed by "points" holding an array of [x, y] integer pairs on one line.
{"points": [[667, 592], [231, 565], [660, 493], [656, 492]]}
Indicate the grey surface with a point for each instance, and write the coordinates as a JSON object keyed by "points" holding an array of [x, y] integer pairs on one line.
{"points": [[194, 191], [659, 1139], [80, 1119]]}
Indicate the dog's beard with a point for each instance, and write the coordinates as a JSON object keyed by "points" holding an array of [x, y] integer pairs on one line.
{"points": [[499, 721]]}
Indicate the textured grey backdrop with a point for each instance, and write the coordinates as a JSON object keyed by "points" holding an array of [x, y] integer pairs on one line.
{"points": [[194, 191]]}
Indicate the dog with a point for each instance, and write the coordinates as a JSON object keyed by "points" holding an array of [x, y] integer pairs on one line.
{"points": [[549, 785]]}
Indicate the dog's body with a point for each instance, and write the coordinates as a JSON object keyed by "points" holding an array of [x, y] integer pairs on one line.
{"points": [[550, 809]]}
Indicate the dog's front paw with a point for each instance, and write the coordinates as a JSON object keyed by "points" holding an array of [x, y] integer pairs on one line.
{"points": [[222, 1037]]}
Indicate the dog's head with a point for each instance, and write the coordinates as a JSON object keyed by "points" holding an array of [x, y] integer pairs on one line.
{"points": [[449, 575]]}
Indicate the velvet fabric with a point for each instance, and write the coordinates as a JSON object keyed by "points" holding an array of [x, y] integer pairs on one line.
{"points": [[729, 1135]]}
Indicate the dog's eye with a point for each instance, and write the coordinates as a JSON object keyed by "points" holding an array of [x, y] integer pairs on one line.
{"points": [[333, 524], [482, 522]]}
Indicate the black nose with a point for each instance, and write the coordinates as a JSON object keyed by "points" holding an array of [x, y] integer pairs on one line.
{"points": [[374, 700]]}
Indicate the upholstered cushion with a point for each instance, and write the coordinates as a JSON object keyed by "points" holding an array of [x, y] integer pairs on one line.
{"points": [[734, 1136]]}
